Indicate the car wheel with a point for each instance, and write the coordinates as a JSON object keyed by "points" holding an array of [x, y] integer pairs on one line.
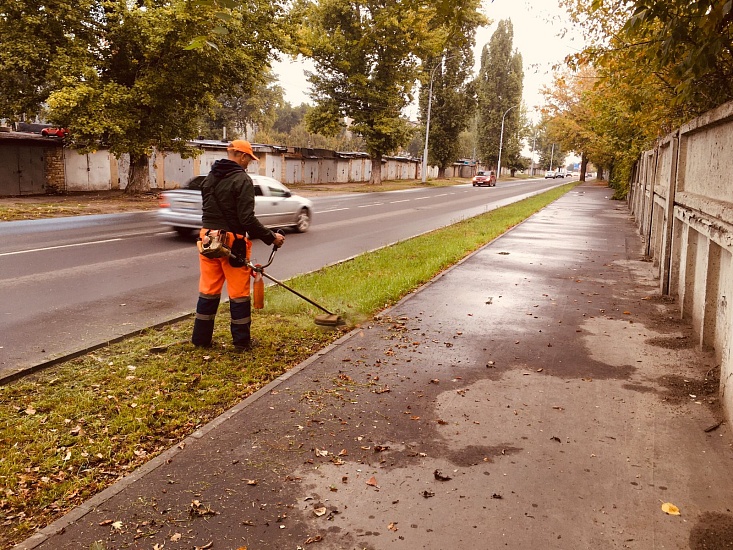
{"points": [[303, 221]]}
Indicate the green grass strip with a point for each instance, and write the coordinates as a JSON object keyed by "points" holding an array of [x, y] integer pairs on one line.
{"points": [[73, 429]]}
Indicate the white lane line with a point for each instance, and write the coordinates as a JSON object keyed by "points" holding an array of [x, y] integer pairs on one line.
{"points": [[332, 210], [368, 205], [421, 198], [403, 200], [57, 247]]}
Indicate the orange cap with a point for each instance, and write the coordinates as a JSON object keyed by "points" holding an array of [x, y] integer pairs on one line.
{"points": [[243, 147]]}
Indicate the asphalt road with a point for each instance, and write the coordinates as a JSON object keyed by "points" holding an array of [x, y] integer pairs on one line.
{"points": [[70, 283]]}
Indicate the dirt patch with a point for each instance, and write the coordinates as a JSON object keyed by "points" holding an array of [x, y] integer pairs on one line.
{"points": [[671, 342], [74, 204], [714, 531], [681, 390]]}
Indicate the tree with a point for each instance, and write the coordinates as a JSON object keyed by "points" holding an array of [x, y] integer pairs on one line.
{"points": [[499, 89], [142, 83], [453, 95], [367, 57], [658, 62], [39, 39], [244, 113]]}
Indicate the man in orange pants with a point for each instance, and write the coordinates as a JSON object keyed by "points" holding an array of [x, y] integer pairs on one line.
{"points": [[229, 206]]}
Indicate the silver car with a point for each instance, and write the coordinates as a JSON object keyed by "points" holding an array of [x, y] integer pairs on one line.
{"points": [[275, 206]]}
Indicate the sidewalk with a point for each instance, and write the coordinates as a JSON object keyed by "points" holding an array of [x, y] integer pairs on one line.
{"points": [[538, 395]]}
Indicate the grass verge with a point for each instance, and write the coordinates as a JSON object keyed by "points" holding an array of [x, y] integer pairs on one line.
{"points": [[72, 430]]}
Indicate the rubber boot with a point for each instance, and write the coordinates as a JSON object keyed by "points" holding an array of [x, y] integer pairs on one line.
{"points": [[241, 322], [203, 325]]}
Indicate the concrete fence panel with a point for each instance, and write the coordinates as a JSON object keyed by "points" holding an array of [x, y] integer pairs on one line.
{"points": [[682, 199]]}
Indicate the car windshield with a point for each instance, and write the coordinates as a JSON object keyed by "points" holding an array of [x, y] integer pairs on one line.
{"points": [[480, 173]]}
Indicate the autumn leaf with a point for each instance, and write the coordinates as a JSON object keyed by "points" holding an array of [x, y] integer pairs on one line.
{"points": [[372, 482], [176, 537], [671, 509], [320, 511]]}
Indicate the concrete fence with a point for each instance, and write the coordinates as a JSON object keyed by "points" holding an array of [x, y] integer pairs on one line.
{"points": [[682, 199], [30, 164]]}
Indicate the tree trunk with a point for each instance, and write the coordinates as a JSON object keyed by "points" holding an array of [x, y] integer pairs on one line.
{"points": [[138, 180], [376, 178], [599, 175], [583, 166], [441, 173]]}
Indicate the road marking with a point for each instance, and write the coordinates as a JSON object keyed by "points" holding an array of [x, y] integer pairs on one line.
{"points": [[57, 247], [332, 210], [403, 200]]}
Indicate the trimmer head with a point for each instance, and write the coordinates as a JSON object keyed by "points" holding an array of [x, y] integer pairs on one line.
{"points": [[327, 320]]}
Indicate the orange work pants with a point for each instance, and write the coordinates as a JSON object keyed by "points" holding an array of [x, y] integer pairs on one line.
{"points": [[214, 271]]}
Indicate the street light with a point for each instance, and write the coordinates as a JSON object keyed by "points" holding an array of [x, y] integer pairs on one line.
{"points": [[427, 123], [501, 140]]}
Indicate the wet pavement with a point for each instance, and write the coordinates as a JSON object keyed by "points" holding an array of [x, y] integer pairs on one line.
{"points": [[540, 394]]}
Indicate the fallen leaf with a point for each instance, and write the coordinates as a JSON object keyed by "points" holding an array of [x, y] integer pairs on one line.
{"points": [[320, 511], [251, 481], [392, 526], [30, 411], [671, 509], [117, 525], [311, 540], [176, 537], [205, 546], [372, 482], [105, 522], [440, 477], [427, 494]]}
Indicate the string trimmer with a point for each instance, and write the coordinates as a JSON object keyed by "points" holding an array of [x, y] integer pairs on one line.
{"points": [[330, 319]]}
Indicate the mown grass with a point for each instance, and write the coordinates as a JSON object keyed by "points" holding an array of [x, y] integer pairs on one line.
{"points": [[73, 429]]}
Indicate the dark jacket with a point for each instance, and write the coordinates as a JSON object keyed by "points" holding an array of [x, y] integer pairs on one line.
{"points": [[236, 196]]}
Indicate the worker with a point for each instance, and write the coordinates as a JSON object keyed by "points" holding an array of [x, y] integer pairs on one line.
{"points": [[228, 197]]}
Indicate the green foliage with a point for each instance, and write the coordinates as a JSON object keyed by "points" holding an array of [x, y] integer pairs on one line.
{"points": [[453, 96], [656, 64], [367, 57], [499, 88], [131, 84], [39, 38], [242, 111]]}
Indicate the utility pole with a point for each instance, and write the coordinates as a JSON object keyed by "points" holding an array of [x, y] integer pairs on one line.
{"points": [[427, 122], [534, 142], [552, 156], [501, 141]]}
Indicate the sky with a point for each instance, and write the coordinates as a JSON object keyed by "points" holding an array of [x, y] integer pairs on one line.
{"points": [[537, 25]]}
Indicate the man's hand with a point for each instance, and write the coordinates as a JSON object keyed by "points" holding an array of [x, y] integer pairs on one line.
{"points": [[279, 240]]}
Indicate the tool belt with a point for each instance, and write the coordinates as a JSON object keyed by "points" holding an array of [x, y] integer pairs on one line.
{"points": [[214, 244]]}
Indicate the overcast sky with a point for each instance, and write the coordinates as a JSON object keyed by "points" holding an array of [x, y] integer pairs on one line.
{"points": [[537, 24]]}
